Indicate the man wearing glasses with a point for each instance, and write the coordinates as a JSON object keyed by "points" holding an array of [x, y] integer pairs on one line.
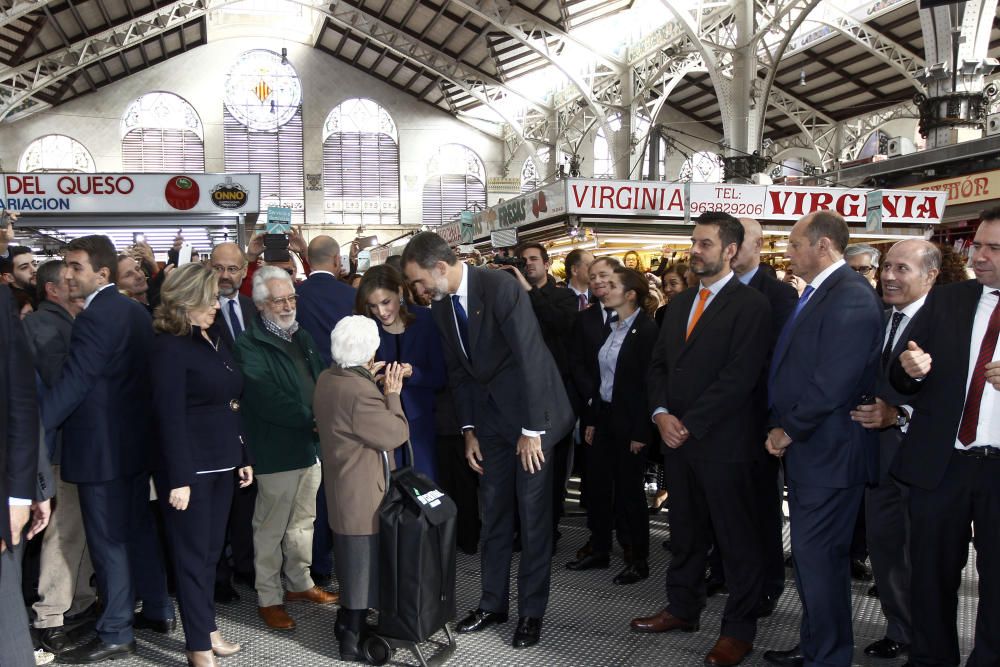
{"points": [[863, 259], [280, 364], [230, 263]]}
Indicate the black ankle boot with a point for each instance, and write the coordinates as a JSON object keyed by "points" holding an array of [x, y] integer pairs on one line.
{"points": [[349, 624]]}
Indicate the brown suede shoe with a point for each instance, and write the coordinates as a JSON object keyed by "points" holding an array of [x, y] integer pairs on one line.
{"points": [[728, 652], [276, 617], [662, 622], [314, 594]]}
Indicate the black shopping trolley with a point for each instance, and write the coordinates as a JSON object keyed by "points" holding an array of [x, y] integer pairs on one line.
{"points": [[416, 566]]}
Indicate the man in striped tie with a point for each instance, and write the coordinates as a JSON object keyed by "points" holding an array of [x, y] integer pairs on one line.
{"points": [[951, 455]]}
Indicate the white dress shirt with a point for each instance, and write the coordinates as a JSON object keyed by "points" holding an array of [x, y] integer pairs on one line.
{"points": [[823, 275], [224, 308], [988, 430], [90, 297]]}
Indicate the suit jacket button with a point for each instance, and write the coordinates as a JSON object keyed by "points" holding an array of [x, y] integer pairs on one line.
{"points": [[234, 405]]}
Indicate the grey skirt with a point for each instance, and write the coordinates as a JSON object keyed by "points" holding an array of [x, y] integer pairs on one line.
{"points": [[355, 558]]}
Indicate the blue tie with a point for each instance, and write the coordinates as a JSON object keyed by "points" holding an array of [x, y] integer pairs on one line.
{"points": [[234, 320], [463, 323], [786, 331]]}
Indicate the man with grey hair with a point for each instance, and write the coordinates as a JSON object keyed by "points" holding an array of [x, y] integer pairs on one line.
{"points": [[323, 301], [280, 365], [864, 259], [908, 274]]}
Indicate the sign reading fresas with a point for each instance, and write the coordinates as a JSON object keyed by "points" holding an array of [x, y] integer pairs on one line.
{"points": [[48, 194]]}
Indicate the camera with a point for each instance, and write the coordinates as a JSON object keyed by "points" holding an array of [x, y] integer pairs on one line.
{"points": [[517, 262], [276, 248]]}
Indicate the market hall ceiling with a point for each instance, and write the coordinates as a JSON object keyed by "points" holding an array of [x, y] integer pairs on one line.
{"points": [[466, 56]]}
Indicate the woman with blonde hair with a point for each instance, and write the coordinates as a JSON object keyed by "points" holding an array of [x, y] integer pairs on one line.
{"points": [[196, 392]]}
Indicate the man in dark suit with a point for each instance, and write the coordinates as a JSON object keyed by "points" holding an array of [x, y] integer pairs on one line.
{"points": [[706, 364], [825, 360], [782, 298], [510, 399], [323, 301], [236, 313], [908, 274], [950, 455], [556, 308], [18, 466], [102, 402]]}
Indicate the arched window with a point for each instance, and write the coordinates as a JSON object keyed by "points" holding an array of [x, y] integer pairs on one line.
{"points": [[161, 132], [529, 176], [360, 165], [56, 152], [262, 128], [604, 164], [702, 167], [456, 183]]}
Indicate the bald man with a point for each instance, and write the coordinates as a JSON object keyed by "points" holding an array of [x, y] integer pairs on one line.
{"points": [[323, 300], [230, 263], [908, 274]]}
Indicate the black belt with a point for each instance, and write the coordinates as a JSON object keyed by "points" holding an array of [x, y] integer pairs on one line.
{"points": [[981, 452]]}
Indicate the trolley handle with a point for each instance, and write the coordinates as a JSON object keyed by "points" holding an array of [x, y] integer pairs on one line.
{"points": [[386, 468]]}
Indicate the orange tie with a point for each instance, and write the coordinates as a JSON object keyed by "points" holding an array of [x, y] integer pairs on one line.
{"points": [[702, 298]]}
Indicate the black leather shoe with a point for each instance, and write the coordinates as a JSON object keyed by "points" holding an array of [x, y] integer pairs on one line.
{"points": [[860, 570], [886, 648], [163, 626], [584, 551], [225, 593], [714, 587], [872, 592], [97, 651], [592, 562], [633, 572], [529, 631], [480, 619], [55, 640], [791, 658]]}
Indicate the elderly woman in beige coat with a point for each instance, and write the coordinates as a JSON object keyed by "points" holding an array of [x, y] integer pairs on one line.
{"points": [[356, 422]]}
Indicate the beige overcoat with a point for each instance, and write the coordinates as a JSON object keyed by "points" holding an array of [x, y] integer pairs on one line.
{"points": [[356, 424]]}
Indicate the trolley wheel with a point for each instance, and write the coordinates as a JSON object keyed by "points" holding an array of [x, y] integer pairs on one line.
{"points": [[377, 650]]}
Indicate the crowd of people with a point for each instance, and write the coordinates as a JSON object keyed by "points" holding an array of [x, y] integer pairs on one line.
{"points": [[219, 422]]}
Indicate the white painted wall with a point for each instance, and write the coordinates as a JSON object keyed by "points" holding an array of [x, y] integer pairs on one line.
{"points": [[198, 77]]}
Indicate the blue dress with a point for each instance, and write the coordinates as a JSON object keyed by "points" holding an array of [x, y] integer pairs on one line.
{"points": [[420, 346]]}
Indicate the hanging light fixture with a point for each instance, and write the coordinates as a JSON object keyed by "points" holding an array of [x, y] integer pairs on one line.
{"points": [[802, 77]]}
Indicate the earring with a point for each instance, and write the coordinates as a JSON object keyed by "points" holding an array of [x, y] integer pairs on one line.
{"points": [[401, 301]]}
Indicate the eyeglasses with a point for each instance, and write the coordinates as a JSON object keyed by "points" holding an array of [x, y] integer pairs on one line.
{"points": [[231, 270], [863, 270], [284, 301]]}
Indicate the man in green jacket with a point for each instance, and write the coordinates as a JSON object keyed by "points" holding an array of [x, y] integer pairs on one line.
{"points": [[280, 365]]}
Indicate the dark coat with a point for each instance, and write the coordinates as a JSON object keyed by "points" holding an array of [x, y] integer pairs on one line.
{"points": [[556, 309], [707, 380], [830, 361], [585, 340], [279, 424], [102, 399], [419, 346], [943, 329], [323, 301], [196, 391], [890, 439], [356, 424], [19, 413], [49, 329], [628, 419], [509, 381], [782, 297], [220, 331]]}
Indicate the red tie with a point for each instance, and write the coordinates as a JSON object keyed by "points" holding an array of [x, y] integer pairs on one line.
{"points": [[974, 398]]}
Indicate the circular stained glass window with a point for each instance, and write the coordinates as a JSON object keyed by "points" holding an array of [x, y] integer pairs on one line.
{"points": [[262, 90]]}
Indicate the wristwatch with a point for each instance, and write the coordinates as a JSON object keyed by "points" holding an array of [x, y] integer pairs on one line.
{"points": [[902, 417]]}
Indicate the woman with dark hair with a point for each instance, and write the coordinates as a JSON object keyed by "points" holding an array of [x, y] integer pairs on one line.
{"points": [[673, 282], [408, 336], [196, 390], [632, 260], [617, 429]]}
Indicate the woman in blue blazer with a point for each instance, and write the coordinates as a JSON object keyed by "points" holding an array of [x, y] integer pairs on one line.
{"points": [[196, 391], [409, 336]]}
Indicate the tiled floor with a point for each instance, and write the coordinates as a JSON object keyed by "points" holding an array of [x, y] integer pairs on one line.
{"points": [[587, 623]]}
